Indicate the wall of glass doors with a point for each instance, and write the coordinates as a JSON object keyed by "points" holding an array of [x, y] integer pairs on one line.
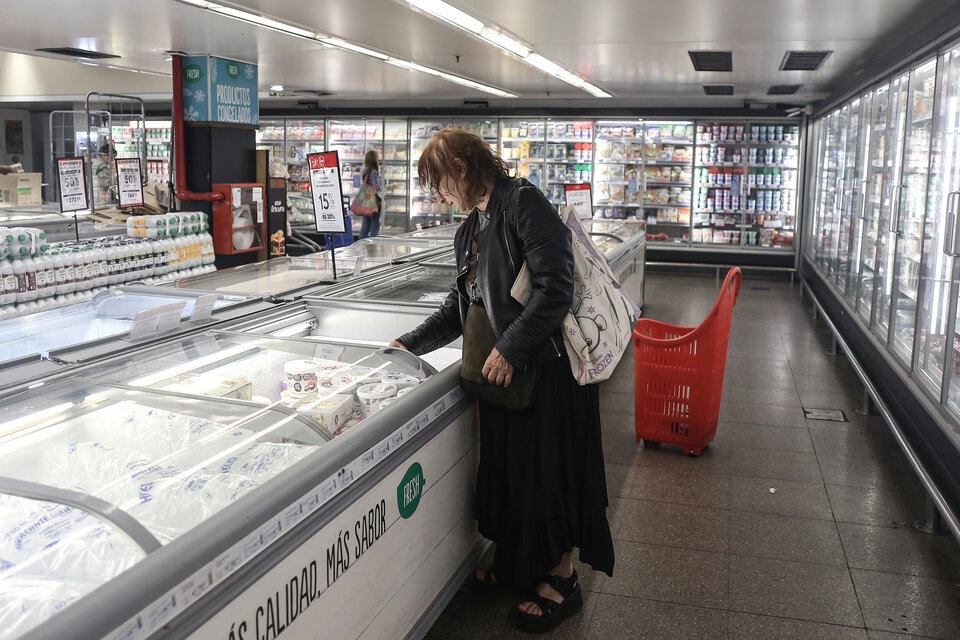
{"points": [[721, 185], [883, 229]]}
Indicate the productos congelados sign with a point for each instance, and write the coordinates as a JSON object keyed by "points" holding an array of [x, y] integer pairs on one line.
{"points": [[220, 91]]}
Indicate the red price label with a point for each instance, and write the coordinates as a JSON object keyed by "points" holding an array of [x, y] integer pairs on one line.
{"points": [[322, 160]]}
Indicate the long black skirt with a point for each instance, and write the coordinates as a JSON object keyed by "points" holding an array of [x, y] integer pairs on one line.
{"points": [[541, 487]]}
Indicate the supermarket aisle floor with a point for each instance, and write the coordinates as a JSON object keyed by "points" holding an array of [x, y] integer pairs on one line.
{"points": [[782, 528]]}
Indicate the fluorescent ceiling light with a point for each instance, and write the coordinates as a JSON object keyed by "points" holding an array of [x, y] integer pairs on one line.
{"points": [[343, 44], [203, 4], [263, 21], [449, 14], [547, 66], [276, 87], [477, 85], [412, 66], [595, 91], [504, 42]]}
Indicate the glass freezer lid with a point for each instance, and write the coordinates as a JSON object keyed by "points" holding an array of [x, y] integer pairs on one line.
{"points": [[443, 231], [425, 284], [386, 249], [331, 384], [281, 275], [619, 228], [107, 314]]}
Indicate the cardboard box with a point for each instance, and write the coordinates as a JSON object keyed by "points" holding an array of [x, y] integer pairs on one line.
{"points": [[21, 189]]}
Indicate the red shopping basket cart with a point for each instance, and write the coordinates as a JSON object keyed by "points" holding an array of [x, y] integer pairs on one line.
{"points": [[679, 374]]}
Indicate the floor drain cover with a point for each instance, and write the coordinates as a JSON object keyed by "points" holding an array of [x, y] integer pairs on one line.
{"points": [[759, 287], [832, 415]]}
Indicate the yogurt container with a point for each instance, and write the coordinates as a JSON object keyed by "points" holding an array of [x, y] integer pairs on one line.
{"points": [[371, 395], [301, 376], [400, 380]]}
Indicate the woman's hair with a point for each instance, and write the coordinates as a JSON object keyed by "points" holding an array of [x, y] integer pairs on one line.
{"points": [[371, 162], [480, 164]]}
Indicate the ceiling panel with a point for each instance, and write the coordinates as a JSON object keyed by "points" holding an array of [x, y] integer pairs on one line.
{"points": [[635, 50]]}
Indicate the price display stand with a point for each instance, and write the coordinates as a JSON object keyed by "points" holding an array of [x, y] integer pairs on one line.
{"points": [[325, 188], [129, 182], [73, 188], [578, 197]]}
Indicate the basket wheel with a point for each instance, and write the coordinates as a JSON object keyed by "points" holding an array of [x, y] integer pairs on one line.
{"points": [[650, 443]]}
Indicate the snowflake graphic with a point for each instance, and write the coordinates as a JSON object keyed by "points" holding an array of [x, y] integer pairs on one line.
{"points": [[591, 309], [200, 95], [192, 113], [187, 92], [248, 71], [572, 331]]}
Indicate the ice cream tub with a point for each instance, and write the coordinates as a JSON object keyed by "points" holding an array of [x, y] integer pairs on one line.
{"points": [[405, 391], [371, 395], [400, 380], [385, 403], [301, 376]]}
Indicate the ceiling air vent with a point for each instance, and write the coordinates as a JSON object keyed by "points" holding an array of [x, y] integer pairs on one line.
{"points": [[718, 89], [783, 89], [712, 60], [72, 52], [803, 60]]}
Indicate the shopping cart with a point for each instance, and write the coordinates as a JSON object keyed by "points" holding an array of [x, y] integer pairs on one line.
{"points": [[679, 374]]}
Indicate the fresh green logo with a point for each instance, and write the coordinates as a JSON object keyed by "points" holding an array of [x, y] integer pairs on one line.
{"points": [[410, 490], [193, 73], [233, 70]]}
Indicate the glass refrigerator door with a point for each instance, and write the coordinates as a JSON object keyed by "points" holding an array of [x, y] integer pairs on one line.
{"points": [[524, 147], [303, 138], [880, 130], [849, 122], [856, 190], [569, 157], [618, 171], [667, 179], [911, 202], [394, 165], [829, 192], [721, 187], [773, 156], [425, 207], [886, 237], [348, 138], [938, 267], [815, 190]]}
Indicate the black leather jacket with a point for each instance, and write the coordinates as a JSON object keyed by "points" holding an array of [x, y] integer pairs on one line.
{"points": [[523, 227]]}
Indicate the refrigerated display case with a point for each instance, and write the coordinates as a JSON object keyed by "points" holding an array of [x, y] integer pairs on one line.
{"points": [[773, 162], [667, 177], [896, 305], [523, 146], [425, 207], [301, 138], [569, 157], [618, 169], [283, 277], [721, 183], [171, 488], [394, 167]]}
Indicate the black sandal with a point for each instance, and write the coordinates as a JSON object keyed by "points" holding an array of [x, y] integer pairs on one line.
{"points": [[487, 585], [552, 613]]}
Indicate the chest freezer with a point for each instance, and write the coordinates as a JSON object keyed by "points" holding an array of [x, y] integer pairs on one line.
{"points": [[425, 283], [392, 250], [284, 277], [134, 506], [89, 327], [443, 231]]}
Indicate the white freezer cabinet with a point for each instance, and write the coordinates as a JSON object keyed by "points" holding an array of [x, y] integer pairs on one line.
{"points": [[184, 491], [39, 344]]}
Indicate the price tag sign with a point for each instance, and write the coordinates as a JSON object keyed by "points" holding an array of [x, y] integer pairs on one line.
{"points": [[325, 187], [130, 182], [73, 184], [168, 316], [203, 307], [578, 197], [258, 199]]}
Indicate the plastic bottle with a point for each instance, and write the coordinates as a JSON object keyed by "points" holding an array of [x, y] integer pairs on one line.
{"points": [[46, 279], [8, 284], [80, 270]]}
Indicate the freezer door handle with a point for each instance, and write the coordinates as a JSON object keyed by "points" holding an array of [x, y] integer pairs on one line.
{"points": [[951, 225], [861, 192], [897, 198]]}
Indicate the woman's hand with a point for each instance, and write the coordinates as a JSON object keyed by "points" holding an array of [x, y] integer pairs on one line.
{"points": [[397, 345], [497, 369]]}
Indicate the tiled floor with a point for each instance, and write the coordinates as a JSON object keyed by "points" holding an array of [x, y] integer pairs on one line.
{"points": [[782, 528]]}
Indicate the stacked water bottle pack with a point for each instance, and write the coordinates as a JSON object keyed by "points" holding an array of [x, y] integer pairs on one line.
{"points": [[36, 275]]}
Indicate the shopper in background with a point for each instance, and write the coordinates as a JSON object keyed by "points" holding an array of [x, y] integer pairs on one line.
{"points": [[370, 226], [104, 176], [541, 488]]}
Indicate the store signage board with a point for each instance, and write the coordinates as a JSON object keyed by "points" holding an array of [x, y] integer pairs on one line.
{"points": [[220, 91], [325, 189], [130, 182], [578, 197], [73, 184]]}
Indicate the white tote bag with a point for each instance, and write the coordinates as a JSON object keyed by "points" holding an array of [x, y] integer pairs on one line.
{"points": [[598, 328]]}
